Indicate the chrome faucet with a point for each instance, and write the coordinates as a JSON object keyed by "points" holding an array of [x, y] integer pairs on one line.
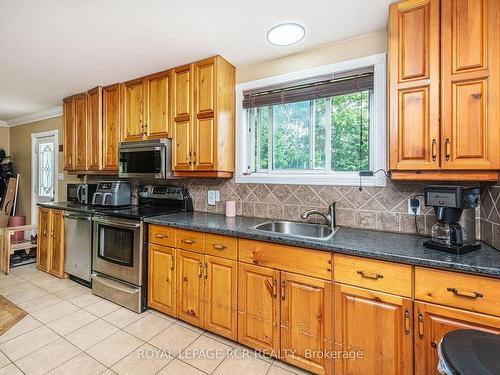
{"points": [[329, 217]]}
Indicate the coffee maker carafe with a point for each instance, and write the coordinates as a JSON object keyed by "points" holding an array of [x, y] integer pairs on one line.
{"points": [[454, 207]]}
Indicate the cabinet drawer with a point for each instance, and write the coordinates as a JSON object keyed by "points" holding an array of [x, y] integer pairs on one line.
{"points": [[161, 235], [469, 292], [221, 246], [372, 274], [189, 240], [286, 258]]}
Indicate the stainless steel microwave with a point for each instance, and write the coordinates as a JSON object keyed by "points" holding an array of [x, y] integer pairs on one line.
{"points": [[146, 159]]}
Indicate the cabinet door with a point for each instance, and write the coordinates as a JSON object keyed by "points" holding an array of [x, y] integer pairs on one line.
{"points": [[80, 147], [94, 140], [204, 129], [470, 74], [432, 322], [182, 126], [413, 68], [43, 239], [378, 325], [56, 248], [306, 322], [69, 132], [258, 308], [190, 284], [220, 296], [157, 105], [133, 101], [111, 127], [162, 280]]}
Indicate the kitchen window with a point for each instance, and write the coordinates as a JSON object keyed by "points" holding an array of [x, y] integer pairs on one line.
{"points": [[323, 126]]}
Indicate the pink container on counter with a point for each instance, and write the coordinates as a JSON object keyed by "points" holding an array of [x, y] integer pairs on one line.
{"points": [[230, 208]]}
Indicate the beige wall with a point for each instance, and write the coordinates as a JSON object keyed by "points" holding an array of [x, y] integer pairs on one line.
{"points": [[364, 45], [20, 142], [5, 139]]}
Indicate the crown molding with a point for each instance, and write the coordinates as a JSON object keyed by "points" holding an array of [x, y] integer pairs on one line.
{"points": [[32, 117], [3, 124]]}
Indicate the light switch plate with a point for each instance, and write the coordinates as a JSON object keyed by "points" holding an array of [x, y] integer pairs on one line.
{"points": [[213, 196]]}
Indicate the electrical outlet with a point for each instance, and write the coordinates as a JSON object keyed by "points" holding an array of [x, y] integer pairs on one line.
{"points": [[212, 197], [410, 209]]}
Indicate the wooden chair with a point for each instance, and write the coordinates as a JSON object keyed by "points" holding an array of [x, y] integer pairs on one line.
{"points": [[8, 246]]}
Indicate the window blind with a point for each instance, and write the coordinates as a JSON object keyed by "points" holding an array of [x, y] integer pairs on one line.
{"points": [[310, 89]]}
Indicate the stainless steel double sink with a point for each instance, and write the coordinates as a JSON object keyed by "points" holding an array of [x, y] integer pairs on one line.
{"points": [[297, 229]]}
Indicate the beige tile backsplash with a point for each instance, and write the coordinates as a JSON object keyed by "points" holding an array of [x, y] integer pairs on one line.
{"points": [[490, 215]]}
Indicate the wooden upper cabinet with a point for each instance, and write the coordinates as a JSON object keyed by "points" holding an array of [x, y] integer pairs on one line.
{"points": [[132, 104], [258, 307], [413, 67], [81, 133], [190, 306], [306, 322], [69, 132], [157, 105], [377, 324], [432, 322], [94, 118], [110, 126], [220, 296], [470, 73], [182, 86]]}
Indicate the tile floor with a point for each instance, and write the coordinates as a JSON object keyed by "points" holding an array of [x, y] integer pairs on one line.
{"points": [[68, 330]]}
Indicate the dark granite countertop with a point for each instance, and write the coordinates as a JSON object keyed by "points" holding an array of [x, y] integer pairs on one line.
{"points": [[401, 248], [70, 206]]}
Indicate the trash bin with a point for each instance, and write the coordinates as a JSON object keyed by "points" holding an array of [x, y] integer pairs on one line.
{"points": [[469, 352]]}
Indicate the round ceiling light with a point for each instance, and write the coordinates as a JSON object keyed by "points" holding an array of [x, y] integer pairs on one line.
{"points": [[286, 34]]}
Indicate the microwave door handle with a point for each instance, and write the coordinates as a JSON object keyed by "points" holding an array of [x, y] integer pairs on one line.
{"points": [[78, 193]]}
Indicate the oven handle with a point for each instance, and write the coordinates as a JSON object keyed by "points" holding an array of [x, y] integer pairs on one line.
{"points": [[114, 286], [117, 224]]}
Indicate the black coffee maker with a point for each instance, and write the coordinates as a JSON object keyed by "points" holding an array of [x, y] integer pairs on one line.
{"points": [[454, 207]]}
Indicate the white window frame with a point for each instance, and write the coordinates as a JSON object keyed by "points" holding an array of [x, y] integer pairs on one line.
{"points": [[378, 140], [34, 167]]}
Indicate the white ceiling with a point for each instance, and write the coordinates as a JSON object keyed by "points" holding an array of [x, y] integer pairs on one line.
{"points": [[54, 48]]}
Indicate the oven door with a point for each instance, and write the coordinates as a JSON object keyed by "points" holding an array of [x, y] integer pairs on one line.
{"points": [[117, 248], [138, 161]]}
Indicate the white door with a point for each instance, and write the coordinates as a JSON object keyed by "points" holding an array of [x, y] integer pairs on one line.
{"points": [[43, 170]]}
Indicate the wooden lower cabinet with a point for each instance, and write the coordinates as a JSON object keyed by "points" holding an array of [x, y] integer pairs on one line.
{"points": [[306, 322], [220, 296], [378, 326], [190, 306], [258, 308], [50, 247], [432, 322], [162, 281]]}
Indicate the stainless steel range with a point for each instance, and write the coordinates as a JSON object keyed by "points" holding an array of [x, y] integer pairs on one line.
{"points": [[119, 251]]}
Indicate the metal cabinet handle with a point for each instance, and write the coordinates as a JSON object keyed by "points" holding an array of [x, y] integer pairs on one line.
{"points": [[407, 322], [200, 267], [160, 236], [476, 96], [283, 286], [44, 232], [434, 152], [420, 326], [172, 262], [189, 242], [447, 144], [206, 270], [367, 275], [219, 247], [472, 295], [275, 289]]}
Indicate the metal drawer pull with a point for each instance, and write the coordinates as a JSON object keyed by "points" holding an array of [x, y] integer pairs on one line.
{"points": [[367, 275], [476, 96], [275, 289], [219, 247], [472, 295], [407, 322], [160, 236], [172, 262], [434, 153], [420, 326], [447, 144], [283, 286], [189, 242]]}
